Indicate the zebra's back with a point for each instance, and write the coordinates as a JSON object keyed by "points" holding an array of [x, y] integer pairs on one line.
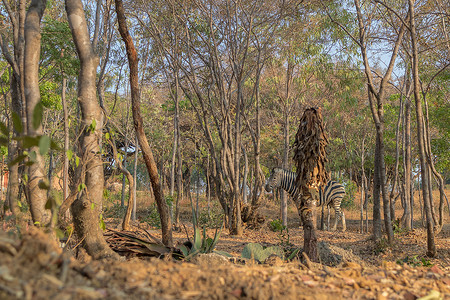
{"points": [[331, 192]]}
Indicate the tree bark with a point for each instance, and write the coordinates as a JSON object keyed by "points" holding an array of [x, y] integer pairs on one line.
{"points": [[163, 210], [407, 217], [431, 246], [136, 151], [15, 60], [37, 196], [66, 140], [285, 158], [87, 207]]}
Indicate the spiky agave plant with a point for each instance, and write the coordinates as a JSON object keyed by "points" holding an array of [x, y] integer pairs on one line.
{"points": [[201, 243]]}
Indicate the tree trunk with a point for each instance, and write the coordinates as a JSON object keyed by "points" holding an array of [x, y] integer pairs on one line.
{"points": [[236, 220], [15, 61], [244, 176], [363, 184], [392, 196], [163, 210], [431, 246], [12, 192], [376, 195], [87, 207], [66, 140], [408, 208], [136, 151], [179, 180], [124, 177], [308, 217], [37, 196], [285, 159]]}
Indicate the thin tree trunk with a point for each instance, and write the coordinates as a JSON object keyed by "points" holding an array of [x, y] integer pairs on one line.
{"points": [[407, 182], [163, 210], [124, 177], [392, 196], [136, 151], [179, 183], [363, 184], [66, 139], [244, 177], [431, 246], [285, 157], [376, 195]]}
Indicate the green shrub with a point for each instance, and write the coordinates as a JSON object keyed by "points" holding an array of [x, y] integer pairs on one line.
{"points": [[152, 218], [415, 261], [115, 211], [212, 220], [350, 191], [277, 225]]}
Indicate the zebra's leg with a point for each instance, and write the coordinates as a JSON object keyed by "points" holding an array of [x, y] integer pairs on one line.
{"points": [[336, 218], [322, 220], [328, 219], [344, 226]]}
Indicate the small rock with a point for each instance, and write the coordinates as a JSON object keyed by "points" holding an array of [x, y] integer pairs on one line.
{"points": [[210, 259], [273, 260]]}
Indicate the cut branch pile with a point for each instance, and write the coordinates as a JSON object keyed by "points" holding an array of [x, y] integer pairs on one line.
{"points": [[138, 243]]}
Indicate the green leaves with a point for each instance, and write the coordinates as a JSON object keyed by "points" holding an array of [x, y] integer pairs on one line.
{"points": [[38, 112], [93, 125], [102, 223], [44, 144]]}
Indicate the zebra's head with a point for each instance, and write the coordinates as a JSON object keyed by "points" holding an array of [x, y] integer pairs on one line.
{"points": [[274, 179]]}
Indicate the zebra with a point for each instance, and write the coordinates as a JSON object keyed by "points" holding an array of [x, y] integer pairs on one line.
{"points": [[332, 193]]}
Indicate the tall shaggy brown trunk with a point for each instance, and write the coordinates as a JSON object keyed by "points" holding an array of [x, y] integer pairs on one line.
{"points": [[310, 158]]}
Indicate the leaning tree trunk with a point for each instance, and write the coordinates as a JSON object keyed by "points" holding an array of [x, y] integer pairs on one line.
{"points": [[163, 209], [310, 159], [37, 195], [87, 207]]}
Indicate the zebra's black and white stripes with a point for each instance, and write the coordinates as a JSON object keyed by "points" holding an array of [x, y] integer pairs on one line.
{"points": [[331, 195]]}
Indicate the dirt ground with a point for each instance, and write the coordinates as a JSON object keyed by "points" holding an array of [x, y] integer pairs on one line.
{"points": [[35, 267]]}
